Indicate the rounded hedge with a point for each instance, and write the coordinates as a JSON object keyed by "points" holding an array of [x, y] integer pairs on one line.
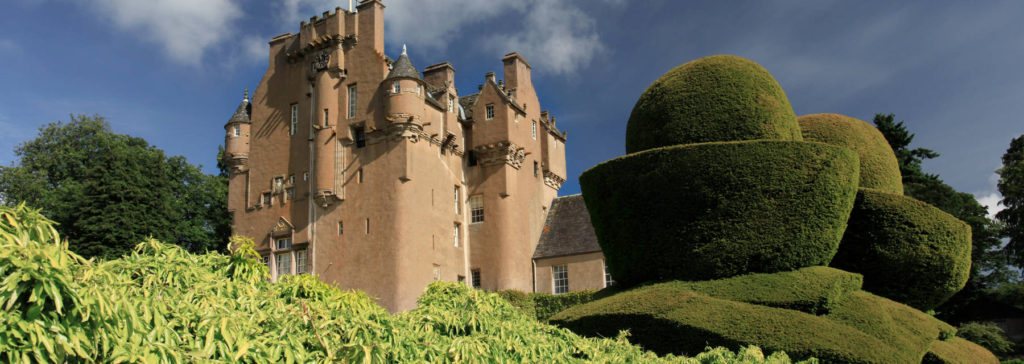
{"points": [[712, 99], [907, 250], [715, 210], [878, 166]]}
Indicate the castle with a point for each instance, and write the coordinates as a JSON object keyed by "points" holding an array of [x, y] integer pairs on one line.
{"points": [[352, 166]]}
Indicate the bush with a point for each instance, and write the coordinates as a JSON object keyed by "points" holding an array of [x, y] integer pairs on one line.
{"points": [[878, 166], [988, 335], [520, 300], [958, 351], [714, 210], [712, 99], [907, 250], [548, 305]]}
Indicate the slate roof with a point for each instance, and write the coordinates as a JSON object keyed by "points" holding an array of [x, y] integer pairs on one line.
{"points": [[467, 103], [403, 68], [241, 114], [567, 230]]}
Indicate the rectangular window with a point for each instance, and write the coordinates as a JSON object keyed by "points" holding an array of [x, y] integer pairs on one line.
{"points": [[295, 119], [533, 130], [396, 87], [471, 155], [536, 169], [476, 209], [455, 235], [458, 200], [476, 278], [266, 261], [284, 264], [305, 176], [291, 179], [437, 272], [300, 261], [327, 120], [517, 117], [608, 281], [267, 198], [489, 109], [560, 276], [341, 228], [278, 184], [237, 130], [359, 134], [419, 90], [284, 244], [451, 103], [367, 225], [352, 94], [289, 193], [359, 175]]}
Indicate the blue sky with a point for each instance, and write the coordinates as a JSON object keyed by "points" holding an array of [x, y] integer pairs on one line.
{"points": [[173, 71]]}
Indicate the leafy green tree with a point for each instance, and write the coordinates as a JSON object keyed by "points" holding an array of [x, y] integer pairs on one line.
{"points": [[989, 267], [109, 191], [1011, 186]]}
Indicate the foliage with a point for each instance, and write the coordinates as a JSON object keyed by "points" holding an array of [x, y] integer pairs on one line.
{"points": [[1011, 186], [712, 99], [899, 139], [161, 303], [669, 318], [108, 190], [878, 166], [713, 210], [958, 351], [988, 335], [892, 236], [544, 305]]}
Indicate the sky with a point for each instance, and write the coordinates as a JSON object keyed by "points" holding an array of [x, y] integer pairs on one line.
{"points": [[173, 71]]}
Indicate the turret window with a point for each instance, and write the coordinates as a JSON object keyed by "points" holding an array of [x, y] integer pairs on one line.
{"points": [[396, 87], [236, 130], [419, 90], [489, 111]]}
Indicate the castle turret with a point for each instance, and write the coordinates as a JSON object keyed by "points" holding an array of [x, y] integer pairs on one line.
{"points": [[236, 140], [403, 105]]}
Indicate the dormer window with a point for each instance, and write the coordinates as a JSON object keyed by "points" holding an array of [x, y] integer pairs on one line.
{"points": [[489, 111], [396, 87]]}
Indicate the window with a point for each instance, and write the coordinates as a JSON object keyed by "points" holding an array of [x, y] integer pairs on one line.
{"points": [[476, 278], [305, 176], [533, 129], [267, 198], [451, 103], [462, 279], [284, 244], [266, 261], [359, 134], [352, 94], [536, 169], [236, 130], [517, 117], [295, 119], [560, 276], [396, 87], [291, 179], [476, 209], [289, 193], [490, 111], [455, 235], [341, 228], [471, 155], [359, 175], [437, 272], [458, 200], [419, 90], [278, 184], [327, 120], [608, 281], [367, 225], [284, 264], [300, 262]]}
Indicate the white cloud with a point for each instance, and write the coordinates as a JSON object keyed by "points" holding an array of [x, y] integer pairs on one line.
{"points": [[557, 37], [255, 48], [184, 28], [991, 201]]}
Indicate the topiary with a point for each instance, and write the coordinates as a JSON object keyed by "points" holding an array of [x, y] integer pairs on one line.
{"points": [[907, 250], [958, 351], [986, 334], [714, 210], [712, 99], [878, 166]]}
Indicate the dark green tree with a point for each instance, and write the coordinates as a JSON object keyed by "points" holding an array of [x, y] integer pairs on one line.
{"points": [[989, 267], [1011, 186], [109, 191]]}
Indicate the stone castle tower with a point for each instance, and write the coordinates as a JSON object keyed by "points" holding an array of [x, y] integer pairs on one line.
{"points": [[352, 166]]}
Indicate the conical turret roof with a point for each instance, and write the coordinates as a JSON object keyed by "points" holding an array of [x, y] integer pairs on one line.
{"points": [[403, 68], [241, 114]]}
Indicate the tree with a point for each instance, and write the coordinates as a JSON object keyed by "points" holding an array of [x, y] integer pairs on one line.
{"points": [[109, 191], [989, 267], [1011, 186]]}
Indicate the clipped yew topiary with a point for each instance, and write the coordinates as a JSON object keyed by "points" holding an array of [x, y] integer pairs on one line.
{"points": [[714, 210], [878, 166], [712, 99], [907, 250], [958, 351]]}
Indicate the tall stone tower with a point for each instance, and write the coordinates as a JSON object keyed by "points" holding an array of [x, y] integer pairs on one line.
{"points": [[359, 169]]}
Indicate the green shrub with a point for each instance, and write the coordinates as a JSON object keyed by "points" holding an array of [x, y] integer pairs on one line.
{"points": [[520, 300], [714, 210], [907, 250], [878, 166], [548, 305], [899, 325], [988, 335], [663, 319], [712, 99], [958, 351]]}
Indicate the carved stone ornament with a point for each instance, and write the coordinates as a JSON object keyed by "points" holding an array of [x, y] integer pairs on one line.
{"points": [[553, 180], [325, 198], [499, 153], [409, 131], [320, 61], [282, 228]]}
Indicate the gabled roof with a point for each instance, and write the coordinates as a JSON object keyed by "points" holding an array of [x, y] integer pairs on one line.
{"points": [[241, 115], [567, 230]]}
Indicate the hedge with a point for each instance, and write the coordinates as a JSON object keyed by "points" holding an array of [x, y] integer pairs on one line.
{"points": [[897, 324], [712, 99], [666, 320], [907, 250], [715, 210], [878, 166], [544, 305], [958, 351]]}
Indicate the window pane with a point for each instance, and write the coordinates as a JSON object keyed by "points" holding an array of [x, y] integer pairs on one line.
{"points": [[284, 264], [560, 275], [476, 209], [476, 278], [352, 94], [300, 262]]}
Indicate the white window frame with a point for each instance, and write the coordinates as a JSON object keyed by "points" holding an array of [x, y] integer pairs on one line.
{"points": [[489, 111], [396, 87], [608, 281], [560, 279], [476, 209], [533, 129], [284, 264], [353, 97], [237, 130], [282, 244], [458, 200], [456, 234], [301, 261], [295, 120]]}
